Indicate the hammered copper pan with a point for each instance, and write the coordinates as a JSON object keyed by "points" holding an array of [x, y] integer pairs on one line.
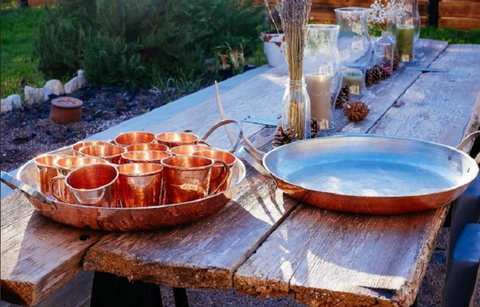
{"points": [[370, 174]]}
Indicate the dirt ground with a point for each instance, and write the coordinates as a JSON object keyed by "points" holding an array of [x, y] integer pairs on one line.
{"points": [[29, 132]]}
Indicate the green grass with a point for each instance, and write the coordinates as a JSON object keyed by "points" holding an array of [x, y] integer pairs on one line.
{"points": [[452, 36], [18, 32]]}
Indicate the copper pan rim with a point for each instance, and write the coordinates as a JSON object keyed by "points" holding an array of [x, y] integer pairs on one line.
{"points": [[465, 180]]}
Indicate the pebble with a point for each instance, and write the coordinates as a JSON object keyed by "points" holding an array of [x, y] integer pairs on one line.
{"points": [[36, 95], [55, 86], [76, 83], [16, 101], [6, 106]]}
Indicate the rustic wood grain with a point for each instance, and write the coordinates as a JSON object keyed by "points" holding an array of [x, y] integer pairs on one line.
{"points": [[38, 256], [459, 9], [339, 259], [75, 293], [383, 95], [459, 23], [203, 254], [439, 107], [323, 258]]}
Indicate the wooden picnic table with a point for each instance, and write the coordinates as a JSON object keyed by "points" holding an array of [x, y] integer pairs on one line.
{"points": [[264, 243]]}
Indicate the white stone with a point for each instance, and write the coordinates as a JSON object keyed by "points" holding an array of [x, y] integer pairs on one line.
{"points": [[36, 95], [16, 101], [75, 84], [55, 86], [6, 106]]}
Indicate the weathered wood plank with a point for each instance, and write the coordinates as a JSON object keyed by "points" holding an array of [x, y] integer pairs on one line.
{"points": [[76, 293], [459, 9], [439, 107], [459, 23], [203, 254], [357, 260], [383, 95], [339, 259], [38, 256]]}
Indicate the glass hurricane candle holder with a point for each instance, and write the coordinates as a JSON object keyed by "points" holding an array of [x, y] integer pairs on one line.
{"points": [[354, 46], [410, 17], [323, 67]]}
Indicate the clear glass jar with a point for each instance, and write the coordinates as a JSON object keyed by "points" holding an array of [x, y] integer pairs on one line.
{"points": [[296, 108], [354, 46], [323, 68], [383, 54]]}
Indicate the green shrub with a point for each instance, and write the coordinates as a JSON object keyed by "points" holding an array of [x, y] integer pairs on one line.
{"points": [[131, 42]]}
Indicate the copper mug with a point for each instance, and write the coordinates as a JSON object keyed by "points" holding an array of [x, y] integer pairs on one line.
{"points": [[173, 139], [90, 185], [215, 179], [134, 137], [139, 184], [46, 171], [79, 145], [144, 156], [110, 153], [147, 146], [66, 164], [187, 178], [187, 150]]}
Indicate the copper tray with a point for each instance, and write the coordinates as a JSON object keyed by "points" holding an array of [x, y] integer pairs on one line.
{"points": [[129, 219]]}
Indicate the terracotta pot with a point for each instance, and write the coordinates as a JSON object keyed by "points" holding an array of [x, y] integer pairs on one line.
{"points": [[66, 110]]}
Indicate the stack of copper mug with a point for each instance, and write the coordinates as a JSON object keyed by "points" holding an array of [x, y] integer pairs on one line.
{"points": [[137, 169]]}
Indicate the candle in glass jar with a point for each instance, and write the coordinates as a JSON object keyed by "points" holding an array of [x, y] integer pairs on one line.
{"points": [[318, 89], [354, 79], [405, 35]]}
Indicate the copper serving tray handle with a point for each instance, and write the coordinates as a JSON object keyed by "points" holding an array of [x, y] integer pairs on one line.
{"points": [[370, 174]]}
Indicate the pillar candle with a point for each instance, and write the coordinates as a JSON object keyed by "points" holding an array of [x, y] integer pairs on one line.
{"points": [[354, 79], [318, 88], [405, 35]]}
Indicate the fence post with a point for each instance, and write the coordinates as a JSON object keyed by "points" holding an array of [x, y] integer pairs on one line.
{"points": [[433, 13]]}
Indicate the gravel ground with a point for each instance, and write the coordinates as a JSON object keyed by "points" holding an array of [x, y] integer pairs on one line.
{"points": [[430, 291]]}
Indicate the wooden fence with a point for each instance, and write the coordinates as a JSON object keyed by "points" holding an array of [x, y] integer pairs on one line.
{"points": [[459, 14]]}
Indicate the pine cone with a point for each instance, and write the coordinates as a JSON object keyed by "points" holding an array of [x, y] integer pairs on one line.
{"points": [[315, 127], [375, 75], [343, 97], [355, 110], [283, 137], [396, 59]]}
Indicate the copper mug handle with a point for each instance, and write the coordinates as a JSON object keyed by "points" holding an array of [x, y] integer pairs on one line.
{"points": [[225, 173], [54, 187]]}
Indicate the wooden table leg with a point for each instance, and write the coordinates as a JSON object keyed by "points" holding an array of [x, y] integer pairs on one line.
{"points": [[181, 299], [112, 291]]}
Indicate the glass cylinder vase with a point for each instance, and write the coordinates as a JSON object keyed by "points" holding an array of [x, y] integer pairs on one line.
{"points": [[323, 68], [354, 46], [296, 110], [383, 54]]}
